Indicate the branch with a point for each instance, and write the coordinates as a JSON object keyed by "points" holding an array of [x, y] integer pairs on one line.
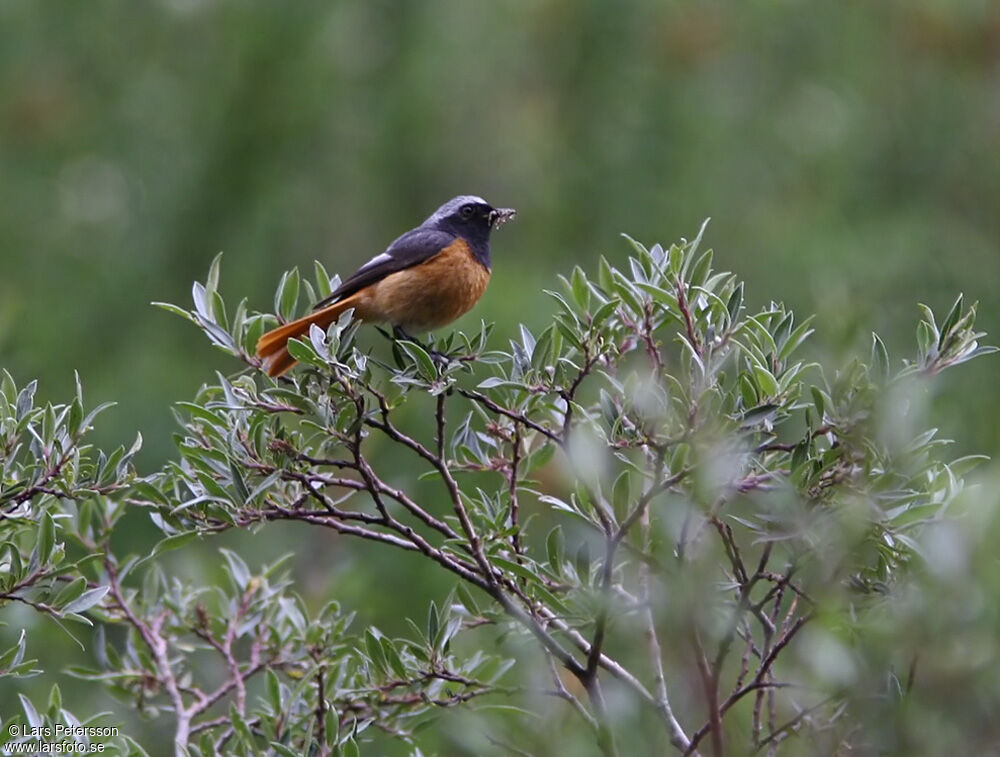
{"points": [[710, 684], [677, 736], [515, 460], [489, 404], [441, 464], [756, 684], [690, 333], [157, 646]]}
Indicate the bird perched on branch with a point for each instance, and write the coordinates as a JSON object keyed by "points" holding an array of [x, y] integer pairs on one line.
{"points": [[425, 279]]}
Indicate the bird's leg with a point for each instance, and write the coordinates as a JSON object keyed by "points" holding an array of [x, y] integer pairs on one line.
{"points": [[400, 333]]}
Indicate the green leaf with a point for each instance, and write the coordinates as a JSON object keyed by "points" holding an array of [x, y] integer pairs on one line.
{"points": [[392, 658], [660, 295], [239, 485], [332, 730], [699, 273], [274, 691], [748, 392], [517, 569], [466, 598], [964, 465], [696, 242], [880, 357], [795, 339], [175, 310], [30, 713], [71, 591], [541, 354], [55, 701], [26, 399], [237, 568], [926, 338], [582, 562], [433, 622], [638, 246], [46, 538], [200, 299], [75, 418], [766, 381], [621, 493], [375, 652], [627, 292], [760, 413], [950, 320], [527, 340], [735, 303], [818, 401], [554, 548], [13, 656], [783, 329], [579, 288], [323, 287], [240, 726], [287, 296], [212, 282], [89, 419], [494, 381], [87, 600], [416, 353], [303, 352], [175, 541]]}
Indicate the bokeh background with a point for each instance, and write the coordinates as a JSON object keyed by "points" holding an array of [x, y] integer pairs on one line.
{"points": [[848, 154]]}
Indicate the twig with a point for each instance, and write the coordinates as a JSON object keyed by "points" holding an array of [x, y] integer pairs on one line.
{"points": [[512, 489], [489, 404], [690, 333], [157, 646], [710, 686], [677, 736]]}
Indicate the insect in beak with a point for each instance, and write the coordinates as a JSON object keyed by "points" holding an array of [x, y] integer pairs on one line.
{"points": [[499, 216]]}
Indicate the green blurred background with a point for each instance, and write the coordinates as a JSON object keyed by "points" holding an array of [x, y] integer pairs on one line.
{"points": [[847, 153]]}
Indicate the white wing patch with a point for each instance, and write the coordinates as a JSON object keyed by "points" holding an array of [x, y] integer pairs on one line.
{"points": [[377, 260]]}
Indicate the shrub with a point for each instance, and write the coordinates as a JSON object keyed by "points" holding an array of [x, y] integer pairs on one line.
{"points": [[664, 525]]}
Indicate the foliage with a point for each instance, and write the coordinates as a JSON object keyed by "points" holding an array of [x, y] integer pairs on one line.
{"points": [[663, 523], [55, 492]]}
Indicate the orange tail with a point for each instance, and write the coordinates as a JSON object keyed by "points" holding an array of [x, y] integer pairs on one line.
{"points": [[272, 347]]}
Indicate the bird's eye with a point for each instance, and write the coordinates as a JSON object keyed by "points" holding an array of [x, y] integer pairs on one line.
{"points": [[467, 211]]}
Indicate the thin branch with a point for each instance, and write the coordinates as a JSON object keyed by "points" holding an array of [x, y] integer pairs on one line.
{"points": [[489, 404], [157, 646], [759, 681], [779, 734], [439, 461], [321, 706], [677, 736], [710, 685], [563, 693], [512, 489], [690, 333]]}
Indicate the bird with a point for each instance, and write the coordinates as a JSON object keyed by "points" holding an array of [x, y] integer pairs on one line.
{"points": [[425, 279]]}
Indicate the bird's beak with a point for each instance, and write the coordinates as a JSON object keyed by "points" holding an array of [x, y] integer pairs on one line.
{"points": [[500, 216]]}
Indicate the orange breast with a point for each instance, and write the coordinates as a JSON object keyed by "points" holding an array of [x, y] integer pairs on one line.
{"points": [[429, 295]]}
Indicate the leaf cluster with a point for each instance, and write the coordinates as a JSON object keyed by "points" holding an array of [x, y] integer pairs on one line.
{"points": [[658, 499]]}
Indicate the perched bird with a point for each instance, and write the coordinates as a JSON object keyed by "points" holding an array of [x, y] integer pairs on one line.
{"points": [[425, 279]]}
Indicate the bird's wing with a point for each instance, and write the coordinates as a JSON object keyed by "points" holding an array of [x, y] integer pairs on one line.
{"points": [[412, 248]]}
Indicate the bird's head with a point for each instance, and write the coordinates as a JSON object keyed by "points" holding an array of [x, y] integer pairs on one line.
{"points": [[470, 217]]}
